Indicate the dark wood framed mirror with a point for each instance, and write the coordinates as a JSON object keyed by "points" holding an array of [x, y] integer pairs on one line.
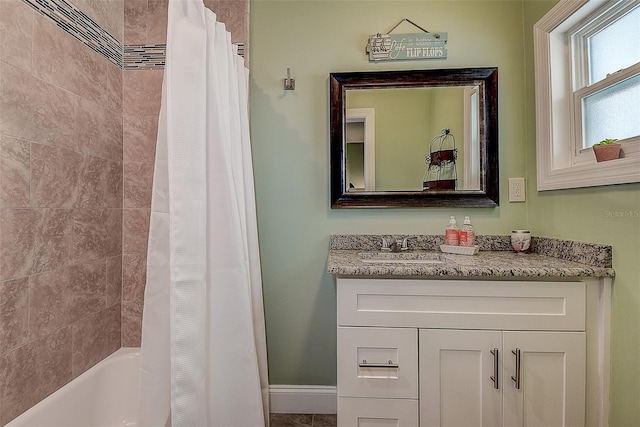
{"points": [[418, 138]]}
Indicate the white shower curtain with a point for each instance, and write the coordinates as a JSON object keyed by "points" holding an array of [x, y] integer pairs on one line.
{"points": [[203, 336]]}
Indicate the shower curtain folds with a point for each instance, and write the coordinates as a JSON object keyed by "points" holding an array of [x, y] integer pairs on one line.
{"points": [[203, 336]]}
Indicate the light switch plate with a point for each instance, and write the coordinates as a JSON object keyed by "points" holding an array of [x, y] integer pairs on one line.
{"points": [[516, 190]]}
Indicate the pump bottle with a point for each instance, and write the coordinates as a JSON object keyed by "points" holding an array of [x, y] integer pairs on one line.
{"points": [[467, 236], [451, 233]]}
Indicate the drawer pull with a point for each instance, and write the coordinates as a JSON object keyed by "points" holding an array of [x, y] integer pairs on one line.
{"points": [[389, 364], [494, 377]]}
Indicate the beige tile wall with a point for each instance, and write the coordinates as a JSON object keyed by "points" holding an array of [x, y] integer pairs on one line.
{"points": [[140, 123], [61, 197], [77, 148]]}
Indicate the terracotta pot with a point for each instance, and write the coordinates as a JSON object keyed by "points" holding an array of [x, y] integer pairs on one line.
{"points": [[606, 152]]}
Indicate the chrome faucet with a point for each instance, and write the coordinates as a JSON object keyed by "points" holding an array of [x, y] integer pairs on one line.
{"points": [[394, 245]]}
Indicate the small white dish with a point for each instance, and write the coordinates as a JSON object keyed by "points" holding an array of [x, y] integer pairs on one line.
{"points": [[460, 250]]}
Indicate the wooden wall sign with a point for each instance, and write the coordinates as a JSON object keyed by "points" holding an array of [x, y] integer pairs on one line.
{"points": [[399, 47]]}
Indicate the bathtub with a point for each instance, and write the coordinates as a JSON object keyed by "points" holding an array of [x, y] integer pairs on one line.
{"points": [[104, 396]]}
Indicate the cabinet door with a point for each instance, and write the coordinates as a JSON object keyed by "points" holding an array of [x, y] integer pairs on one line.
{"points": [[551, 388], [460, 383]]}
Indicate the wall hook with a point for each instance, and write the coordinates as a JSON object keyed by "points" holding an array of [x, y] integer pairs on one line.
{"points": [[289, 83]]}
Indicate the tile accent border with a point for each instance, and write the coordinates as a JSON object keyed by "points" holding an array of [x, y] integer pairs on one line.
{"points": [[152, 56], [144, 57], [241, 49], [81, 27], [88, 32]]}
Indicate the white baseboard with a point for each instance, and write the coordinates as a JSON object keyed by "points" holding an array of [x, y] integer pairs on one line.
{"points": [[302, 399]]}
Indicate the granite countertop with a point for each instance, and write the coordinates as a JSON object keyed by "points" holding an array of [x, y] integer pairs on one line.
{"points": [[548, 258]]}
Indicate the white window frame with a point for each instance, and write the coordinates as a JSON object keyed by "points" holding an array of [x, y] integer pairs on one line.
{"points": [[561, 161]]}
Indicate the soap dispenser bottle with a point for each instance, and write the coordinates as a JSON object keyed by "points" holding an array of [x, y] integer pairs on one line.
{"points": [[451, 233], [467, 236]]}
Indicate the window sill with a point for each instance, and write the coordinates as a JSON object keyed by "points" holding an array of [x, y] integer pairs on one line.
{"points": [[620, 171]]}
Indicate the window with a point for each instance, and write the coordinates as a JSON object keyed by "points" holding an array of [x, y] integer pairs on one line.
{"points": [[588, 89]]}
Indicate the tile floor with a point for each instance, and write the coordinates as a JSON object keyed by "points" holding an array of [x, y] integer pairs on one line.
{"points": [[303, 420]]}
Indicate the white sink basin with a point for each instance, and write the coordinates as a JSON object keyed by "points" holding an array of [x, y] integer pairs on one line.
{"points": [[401, 257]]}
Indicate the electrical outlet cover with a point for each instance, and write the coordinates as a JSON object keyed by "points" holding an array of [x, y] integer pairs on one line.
{"points": [[516, 190]]}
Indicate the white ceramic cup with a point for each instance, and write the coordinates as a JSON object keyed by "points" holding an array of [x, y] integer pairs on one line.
{"points": [[521, 240]]}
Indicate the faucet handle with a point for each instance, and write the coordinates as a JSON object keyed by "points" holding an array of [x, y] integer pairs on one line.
{"points": [[394, 245], [403, 244], [386, 245]]}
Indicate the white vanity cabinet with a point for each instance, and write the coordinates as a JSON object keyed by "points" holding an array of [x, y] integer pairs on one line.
{"points": [[491, 378], [433, 352]]}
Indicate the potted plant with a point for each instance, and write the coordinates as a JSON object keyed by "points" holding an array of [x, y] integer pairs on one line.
{"points": [[607, 149]]}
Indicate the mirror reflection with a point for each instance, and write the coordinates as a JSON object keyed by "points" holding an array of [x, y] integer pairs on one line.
{"points": [[395, 139], [414, 138]]}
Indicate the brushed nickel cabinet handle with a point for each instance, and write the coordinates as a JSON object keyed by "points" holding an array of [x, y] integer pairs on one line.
{"points": [[389, 364], [516, 378], [494, 377]]}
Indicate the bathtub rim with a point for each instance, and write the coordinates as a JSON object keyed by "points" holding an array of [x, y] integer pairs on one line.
{"points": [[121, 353]]}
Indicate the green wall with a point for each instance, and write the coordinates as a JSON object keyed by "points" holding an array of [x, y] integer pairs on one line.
{"points": [[402, 134], [608, 215], [448, 112], [290, 137], [406, 120]]}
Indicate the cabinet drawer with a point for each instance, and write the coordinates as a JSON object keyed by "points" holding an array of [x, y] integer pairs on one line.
{"points": [[378, 362], [359, 412], [464, 304]]}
